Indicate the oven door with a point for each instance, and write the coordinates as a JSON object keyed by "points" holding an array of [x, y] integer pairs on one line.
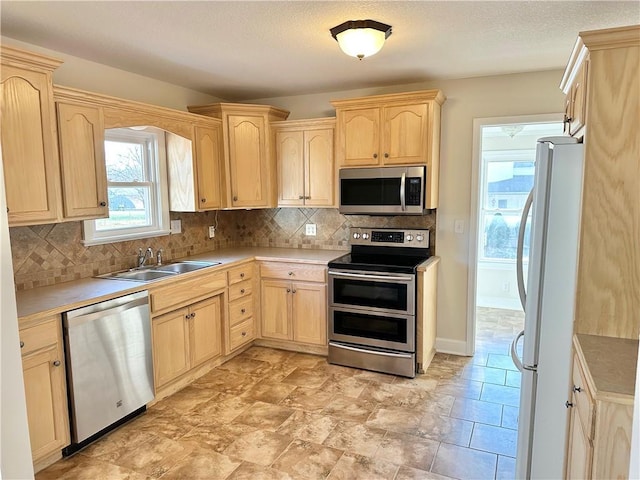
{"points": [[374, 291], [357, 326]]}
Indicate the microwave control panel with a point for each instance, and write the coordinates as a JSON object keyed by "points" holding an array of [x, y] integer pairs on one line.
{"points": [[413, 191]]}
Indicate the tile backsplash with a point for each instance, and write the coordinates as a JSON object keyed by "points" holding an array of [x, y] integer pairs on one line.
{"points": [[49, 254]]}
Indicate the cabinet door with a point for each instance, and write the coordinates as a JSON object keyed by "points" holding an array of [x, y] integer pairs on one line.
{"points": [[46, 397], [248, 161], [29, 151], [580, 450], [170, 346], [205, 328], [578, 101], [276, 308], [359, 137], [405, 138], [84, 175], [309, 313], [318, 173], [208, 150], [290, 148]]}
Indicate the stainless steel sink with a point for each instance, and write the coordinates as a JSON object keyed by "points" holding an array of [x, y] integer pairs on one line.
{"points": [[184, 267], [157, 272]]}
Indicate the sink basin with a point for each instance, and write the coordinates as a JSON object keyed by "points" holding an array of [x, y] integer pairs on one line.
{"points": [[156, 272], [140, 275], [184, 267]]}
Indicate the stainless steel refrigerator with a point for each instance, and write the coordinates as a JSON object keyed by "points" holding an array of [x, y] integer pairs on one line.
{"points": [[549, 305]]}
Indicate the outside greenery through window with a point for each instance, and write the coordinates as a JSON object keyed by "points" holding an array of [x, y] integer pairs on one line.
{"points": [[136, 182]]}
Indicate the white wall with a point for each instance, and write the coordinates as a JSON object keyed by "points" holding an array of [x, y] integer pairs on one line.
{"points": [[497, 96], [15, 451]]}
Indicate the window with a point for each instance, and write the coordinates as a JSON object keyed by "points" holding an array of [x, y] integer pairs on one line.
{"points": [[136, 183]]}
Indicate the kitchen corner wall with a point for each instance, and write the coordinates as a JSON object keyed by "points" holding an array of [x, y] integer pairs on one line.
{"points": [[51, 254]]}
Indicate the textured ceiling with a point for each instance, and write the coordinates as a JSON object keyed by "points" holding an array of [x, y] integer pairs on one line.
{"points": [[245, 50]]}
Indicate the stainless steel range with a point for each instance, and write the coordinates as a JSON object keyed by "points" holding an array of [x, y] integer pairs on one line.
{"points": [[372, 300]]}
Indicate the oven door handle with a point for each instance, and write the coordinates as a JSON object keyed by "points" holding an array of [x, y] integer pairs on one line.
{"points": [[403, 203], [371, 277], [373, 352]]}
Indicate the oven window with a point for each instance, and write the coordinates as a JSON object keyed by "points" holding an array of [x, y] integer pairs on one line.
{"points": [[370, 191], [390, 296], [389, 329]]}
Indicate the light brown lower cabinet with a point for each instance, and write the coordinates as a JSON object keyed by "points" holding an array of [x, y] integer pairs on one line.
{"points": [[186, 338], [45, 387]]}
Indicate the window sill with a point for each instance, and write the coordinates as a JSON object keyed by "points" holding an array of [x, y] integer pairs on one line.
{"points": [[125, 238]]}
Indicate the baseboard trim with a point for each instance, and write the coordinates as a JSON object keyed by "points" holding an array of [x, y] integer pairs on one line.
{"points": [[453, 347]]}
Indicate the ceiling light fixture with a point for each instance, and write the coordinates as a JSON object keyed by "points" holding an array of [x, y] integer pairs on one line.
{"points": [[361, 38]]}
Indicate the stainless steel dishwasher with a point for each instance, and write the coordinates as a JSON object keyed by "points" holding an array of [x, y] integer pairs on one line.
{"points": [[109, 365]]}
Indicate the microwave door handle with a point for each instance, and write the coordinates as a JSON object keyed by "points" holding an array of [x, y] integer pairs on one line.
{"points": [[403, 203]]}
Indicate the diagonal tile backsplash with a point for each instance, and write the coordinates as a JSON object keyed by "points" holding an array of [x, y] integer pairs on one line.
{"points": [[50, 254]]}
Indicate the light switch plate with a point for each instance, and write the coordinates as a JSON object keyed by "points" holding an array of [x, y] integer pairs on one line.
{"points": [[176, 226], [310, 229]]}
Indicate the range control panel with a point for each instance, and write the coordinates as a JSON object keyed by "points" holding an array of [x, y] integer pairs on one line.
{"points": [[389, 237]]}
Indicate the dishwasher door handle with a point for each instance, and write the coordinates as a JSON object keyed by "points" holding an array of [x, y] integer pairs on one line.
{"points": [[90, 317]]}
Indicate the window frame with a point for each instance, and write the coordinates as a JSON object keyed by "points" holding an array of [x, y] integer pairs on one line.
{"points": [[155, 172]]}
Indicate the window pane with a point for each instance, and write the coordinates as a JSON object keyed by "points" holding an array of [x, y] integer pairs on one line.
{"points": [[129, 207], [508, 184], [125, 161], [501, 235]]}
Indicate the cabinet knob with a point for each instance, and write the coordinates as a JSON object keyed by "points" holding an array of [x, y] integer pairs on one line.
{"points": [[386, 155], [235, 198], [244, 334], [290, 273], [187, 316], [294, 290], [56, 363], [288, 290], [193, 315], [308, 197], [577, 389], [103, 204], [7, 209], [568, 404], [203, 200], [242, 310], [567, 119], [242, 290], [375, 155], [301, 197], [21, 344], [242, 275]]}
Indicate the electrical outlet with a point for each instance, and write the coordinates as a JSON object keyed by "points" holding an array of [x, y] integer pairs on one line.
{"points": [[310, 229], [212, 231], [176, 226]]}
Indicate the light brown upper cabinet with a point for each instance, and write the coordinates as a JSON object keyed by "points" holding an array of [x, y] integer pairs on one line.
{"points": [[249, 173], [82, 161], [29, 147], [304, 158], [575, 87], [396, 129]]}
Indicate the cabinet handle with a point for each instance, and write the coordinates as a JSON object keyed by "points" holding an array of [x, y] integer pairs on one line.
{"points": [[290, 273], [375, 155], [308, 198], [242, 275], [301, 197], [235, 198], [187, 316], [577, 389], [568, 404], [103, 204], [7, 209], [386, 155], [56, 363], [288, 290], [203, 200], [21, 344], [244, 334], [294, 290], [567, 119], [193, 315], [242, 290], [242, 310]]}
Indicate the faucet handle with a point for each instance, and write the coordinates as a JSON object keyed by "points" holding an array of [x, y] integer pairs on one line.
{"points": [[159, 257]]}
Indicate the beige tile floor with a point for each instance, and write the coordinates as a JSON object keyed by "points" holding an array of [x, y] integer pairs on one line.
{"points": [[271, 414]]}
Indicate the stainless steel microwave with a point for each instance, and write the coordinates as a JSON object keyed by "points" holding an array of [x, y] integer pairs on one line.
{"points": [[383, 191]]}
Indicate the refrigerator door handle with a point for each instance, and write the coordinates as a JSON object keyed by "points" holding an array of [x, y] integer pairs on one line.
{"points": [[514, 355], [520, 250]]}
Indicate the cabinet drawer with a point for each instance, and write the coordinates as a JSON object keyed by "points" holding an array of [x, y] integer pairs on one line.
{"points": [[239, 290], [293, 271], [186, 291], [39, 336], [240, 310], [582, 399], [241, 273], [241, 334]]}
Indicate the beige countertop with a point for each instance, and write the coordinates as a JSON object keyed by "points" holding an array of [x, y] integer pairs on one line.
{"points": [[58, 298], [611, 363]]}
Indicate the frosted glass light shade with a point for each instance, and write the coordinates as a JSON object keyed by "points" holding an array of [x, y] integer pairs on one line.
{"points": [[361, 38]]}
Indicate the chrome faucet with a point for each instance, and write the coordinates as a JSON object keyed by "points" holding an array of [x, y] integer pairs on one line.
{"points": [[142, 256], [159, 257]]}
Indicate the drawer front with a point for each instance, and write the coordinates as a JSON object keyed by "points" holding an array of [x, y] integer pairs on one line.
{"points": [[240, 290], [241, 334], [39, 336], [240, 310], [582, 399], [182, 292], [240, 274], [293, 271]]}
